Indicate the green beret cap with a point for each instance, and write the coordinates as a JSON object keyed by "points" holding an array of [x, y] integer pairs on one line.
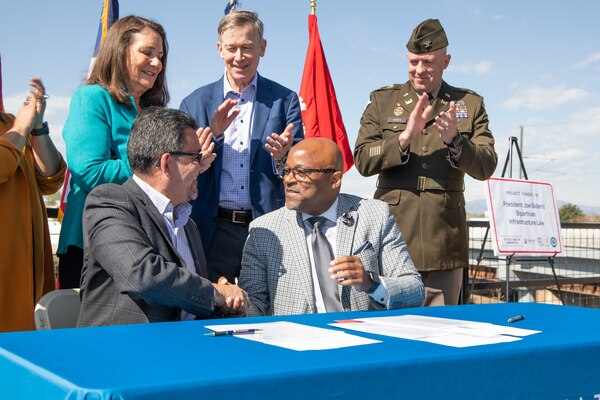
{"points": [[428, 36]]}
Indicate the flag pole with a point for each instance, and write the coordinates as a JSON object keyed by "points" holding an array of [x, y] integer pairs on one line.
{"points": [[313, 7]]}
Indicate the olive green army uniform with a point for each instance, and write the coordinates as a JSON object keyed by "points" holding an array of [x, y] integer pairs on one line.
{"points": [[425, 187]]}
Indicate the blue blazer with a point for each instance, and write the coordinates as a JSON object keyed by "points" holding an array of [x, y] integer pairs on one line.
{"points": [[275, 107]]}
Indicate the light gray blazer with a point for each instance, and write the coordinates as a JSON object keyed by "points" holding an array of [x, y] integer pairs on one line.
{"points": [[132, 273], [276, 267]]}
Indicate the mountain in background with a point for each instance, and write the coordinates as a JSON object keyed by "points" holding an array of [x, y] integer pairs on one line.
{"points": [[479, 206]]}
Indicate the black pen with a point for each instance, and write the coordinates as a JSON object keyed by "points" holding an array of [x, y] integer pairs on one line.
{"points": [[515, 319], [234, 332], [361, 248]]}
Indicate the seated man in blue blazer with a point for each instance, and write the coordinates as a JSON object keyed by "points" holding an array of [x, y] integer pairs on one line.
{"points": [[143, 258], [255, 122], [289, 267]]}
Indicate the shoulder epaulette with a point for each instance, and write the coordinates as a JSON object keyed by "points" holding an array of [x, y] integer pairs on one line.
{"points": [[465, 90], [394, 86]]}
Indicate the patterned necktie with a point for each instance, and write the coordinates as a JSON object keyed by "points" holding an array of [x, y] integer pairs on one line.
{"points": [[322, 256]]}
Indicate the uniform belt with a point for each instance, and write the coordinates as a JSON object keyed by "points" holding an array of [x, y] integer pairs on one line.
{"points": [[235, 216], [421, 183]]}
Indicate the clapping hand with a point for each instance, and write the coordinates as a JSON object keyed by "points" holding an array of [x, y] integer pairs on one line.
{"points": [[279, 145], [224, 116], [206, 148]]}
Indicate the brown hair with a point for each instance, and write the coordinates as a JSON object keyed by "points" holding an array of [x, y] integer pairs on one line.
{"points": [[241, 18], [110, 67]]}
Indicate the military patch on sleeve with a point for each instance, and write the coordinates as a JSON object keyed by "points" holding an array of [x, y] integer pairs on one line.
{"points": [[461, 109], [375, 151]]}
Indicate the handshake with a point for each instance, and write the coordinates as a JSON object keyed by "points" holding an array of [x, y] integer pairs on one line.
{"points": [[230, 299]]}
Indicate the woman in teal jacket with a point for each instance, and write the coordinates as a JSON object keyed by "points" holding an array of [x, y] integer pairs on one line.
{"points": [[128, 75]]}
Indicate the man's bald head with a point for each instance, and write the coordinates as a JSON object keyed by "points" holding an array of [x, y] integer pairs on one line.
{"points": [[323, 151], [313, 175]]}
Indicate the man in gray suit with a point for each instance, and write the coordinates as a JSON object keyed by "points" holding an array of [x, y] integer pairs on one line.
{"points": [[288, 265], [143, 255]]}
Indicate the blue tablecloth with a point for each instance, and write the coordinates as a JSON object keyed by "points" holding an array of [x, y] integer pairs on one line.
{"points": [[175, 361]]}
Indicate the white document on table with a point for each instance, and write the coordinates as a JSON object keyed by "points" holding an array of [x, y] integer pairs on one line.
{"points": [[295, 336], [444, 331]]}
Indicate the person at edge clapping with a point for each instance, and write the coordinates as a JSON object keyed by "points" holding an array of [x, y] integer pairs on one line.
{"points": [[30, 166]]}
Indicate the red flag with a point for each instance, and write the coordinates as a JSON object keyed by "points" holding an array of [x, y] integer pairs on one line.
{"points": [[321, 114]]}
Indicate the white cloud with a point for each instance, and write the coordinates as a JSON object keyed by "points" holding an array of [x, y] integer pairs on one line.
{"points": [[541, 98], [500, 17], [480, 68], [586, 62]]}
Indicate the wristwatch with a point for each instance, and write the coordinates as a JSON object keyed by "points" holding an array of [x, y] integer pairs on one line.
{"points": [[43, 131], [375, 282], [456, 142]]}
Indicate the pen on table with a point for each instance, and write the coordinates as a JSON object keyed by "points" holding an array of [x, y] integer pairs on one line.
{"points": [[234, 332], [515, 319]]}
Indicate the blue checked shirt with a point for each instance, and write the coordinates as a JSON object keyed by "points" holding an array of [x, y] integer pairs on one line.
{"points": [[235, 175]]}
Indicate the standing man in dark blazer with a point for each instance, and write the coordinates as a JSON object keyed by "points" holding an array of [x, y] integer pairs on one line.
{"points": [[422, 137], [255, 122], [143, 258]]}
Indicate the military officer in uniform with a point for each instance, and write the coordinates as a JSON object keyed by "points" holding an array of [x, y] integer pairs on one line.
{"points": [[421, 137]]}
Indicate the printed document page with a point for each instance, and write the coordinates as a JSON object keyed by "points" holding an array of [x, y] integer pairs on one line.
{"points": [[444, 331], [294, 336]]}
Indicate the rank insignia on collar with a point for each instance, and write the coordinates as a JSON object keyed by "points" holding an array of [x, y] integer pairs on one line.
{"points": [[398, 111], [461, 109], [409, 101]]}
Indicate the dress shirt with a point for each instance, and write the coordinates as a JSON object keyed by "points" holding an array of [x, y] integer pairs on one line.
{"points": [[330, 231], [235, 175], [175, 219]]}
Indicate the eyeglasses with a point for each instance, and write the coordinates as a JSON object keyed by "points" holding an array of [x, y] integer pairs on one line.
{"points": [[302, 174], [196, 156]]}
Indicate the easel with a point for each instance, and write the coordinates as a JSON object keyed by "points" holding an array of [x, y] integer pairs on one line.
{"points": [[511, 258]]}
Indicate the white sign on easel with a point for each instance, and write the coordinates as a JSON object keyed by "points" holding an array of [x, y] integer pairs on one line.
{"points": [[523, 217]]}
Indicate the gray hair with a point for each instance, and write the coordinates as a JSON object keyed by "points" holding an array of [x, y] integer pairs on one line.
{"points": [[155, 131], [241, 18]]}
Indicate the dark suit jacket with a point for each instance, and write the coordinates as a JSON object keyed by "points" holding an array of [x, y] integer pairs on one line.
{"points": [[275, 107], [132, 273]]}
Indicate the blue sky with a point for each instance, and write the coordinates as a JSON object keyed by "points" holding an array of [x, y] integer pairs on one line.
{"points": [[537, 64]]}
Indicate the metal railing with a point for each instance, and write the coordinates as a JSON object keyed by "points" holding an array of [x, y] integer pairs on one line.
{"points": [[532, 279]]}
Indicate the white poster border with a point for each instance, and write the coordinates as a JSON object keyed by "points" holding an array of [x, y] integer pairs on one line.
{"points": [[521, 242]]}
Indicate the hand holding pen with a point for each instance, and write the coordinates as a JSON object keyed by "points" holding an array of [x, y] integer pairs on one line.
{"points": [[349, 270]]}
